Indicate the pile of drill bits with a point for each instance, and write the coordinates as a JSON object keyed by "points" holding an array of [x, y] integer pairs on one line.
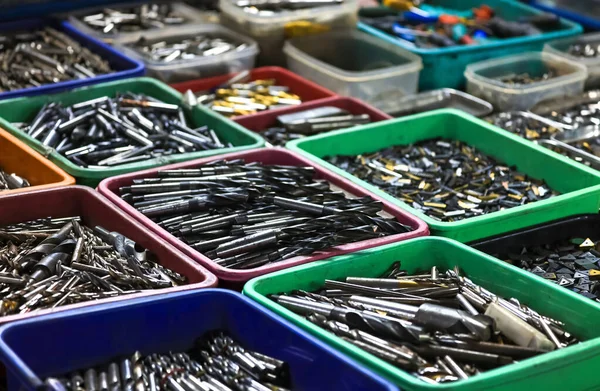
{"points": [[549, 133], [527, 125], [185, 48], [571, 128], [268, 7], [132, 19], [581, 129], [245, 215], [519, 79], [586, 50], [12, 181], [216, 363], [240, 96], [310, 122], [104, 132], [48, 263], [32, 59], [445, 179], [440, 327], [573, 264]]}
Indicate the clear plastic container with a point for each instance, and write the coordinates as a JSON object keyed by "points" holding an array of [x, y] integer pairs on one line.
{"points": [[561, 48], [356, 64], [483, 80], [196, 68], [269, 30], [190, 14]]}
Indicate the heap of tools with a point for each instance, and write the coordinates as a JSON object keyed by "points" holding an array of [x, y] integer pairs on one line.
{"points": [[439, 326], [245, 215], [48, 263], [217, 362], [44, 56], [105, 132], [132, 19], [446, 179]]}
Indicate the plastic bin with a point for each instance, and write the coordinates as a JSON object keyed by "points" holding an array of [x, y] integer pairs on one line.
{"points": [[269, 30], [266, 119], [94, 209], [236, 277], [190, 14], [542, 234], [578, 363], [483, 80], [17, 157], [123, 66], [24, 109], [561, 48], [444, 67], [199, 67], [578, 185], [355, 64], [172, 323], [444, 98], [582, 12], [537, 235], [307, 90]]}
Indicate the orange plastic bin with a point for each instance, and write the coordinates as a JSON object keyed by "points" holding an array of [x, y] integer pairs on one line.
{"points": [[18, 158]]}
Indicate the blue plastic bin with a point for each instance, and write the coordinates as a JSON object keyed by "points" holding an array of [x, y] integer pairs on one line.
{"points": [[444, 67], [586, 13], [56, 344], [123, 66]]}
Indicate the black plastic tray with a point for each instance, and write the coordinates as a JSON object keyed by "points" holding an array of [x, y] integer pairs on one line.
{"points": [[587, 225]]}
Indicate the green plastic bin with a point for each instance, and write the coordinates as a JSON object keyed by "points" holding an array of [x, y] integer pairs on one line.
{"points": [[579, 185], [444, 67], [574, 367], [25, 109]]}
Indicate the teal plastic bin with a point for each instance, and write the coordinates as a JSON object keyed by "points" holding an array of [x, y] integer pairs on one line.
{"points": [[444, 67], [25, 109]]}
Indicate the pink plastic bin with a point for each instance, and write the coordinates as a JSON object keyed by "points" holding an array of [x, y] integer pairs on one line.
{"points": [[233, 278], [94, 209]]}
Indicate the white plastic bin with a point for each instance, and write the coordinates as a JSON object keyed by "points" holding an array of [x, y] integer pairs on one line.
{"points": [[561, 48], [196, 68], [356, 64], [483, 80], [269, 30]]}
